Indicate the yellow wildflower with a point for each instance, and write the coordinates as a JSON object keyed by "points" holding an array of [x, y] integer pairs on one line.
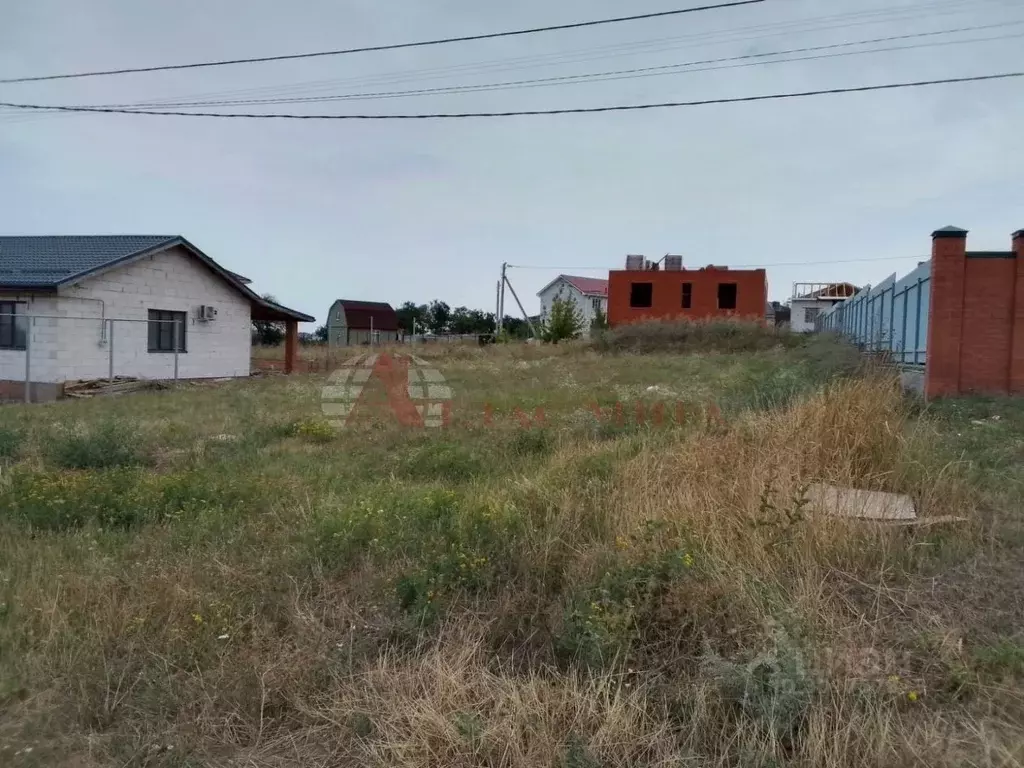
{"points": [[912, 696]]}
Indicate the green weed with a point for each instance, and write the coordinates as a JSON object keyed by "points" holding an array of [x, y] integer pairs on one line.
{"points": [[10, 442], [111, 443]]}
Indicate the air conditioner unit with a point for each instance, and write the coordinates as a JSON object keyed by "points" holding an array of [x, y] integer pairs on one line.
{"points": [[207, 313]]}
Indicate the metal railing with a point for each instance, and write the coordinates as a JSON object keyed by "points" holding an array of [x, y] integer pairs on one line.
{"points": [[49, 350], [891, 317]]}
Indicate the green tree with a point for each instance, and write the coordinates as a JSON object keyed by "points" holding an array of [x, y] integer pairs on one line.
{"points": [[438, 317], [600, 321], [565, 322], [412, 318], [468, 321], [265, 333], [320, 335]]}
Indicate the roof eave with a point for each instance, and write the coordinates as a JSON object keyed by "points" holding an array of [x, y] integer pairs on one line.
{"points": [[285, 313], [23, 288]]}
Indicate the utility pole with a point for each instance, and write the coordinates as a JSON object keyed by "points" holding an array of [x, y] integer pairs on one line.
{"points": [[533, 331], [497, 309], [501, 297]]}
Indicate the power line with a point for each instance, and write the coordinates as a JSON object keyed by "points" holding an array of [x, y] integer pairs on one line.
{"points": [[700, 39], [520, 113], [737, 266], [390, 47], [655, 45], [753, 59], [933, 8]]}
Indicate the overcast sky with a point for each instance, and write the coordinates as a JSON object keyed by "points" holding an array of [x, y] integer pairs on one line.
{"points": [[395, 211]]}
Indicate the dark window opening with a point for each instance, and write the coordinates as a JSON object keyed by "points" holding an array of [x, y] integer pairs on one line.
{"points": [[687, 295], [727, 295], [162, 325], [12, 328], [641, 295]]}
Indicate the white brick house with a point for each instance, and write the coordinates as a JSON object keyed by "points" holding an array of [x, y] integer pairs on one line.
{"points": [[589, 294], [76, 305], [812, 300]]}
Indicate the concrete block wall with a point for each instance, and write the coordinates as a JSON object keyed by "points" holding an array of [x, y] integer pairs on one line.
{"points": [[976, 328], [45, 367], [172, 280]]}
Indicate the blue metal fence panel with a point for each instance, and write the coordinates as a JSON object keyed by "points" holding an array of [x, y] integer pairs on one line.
{"points": [[890, 317]]}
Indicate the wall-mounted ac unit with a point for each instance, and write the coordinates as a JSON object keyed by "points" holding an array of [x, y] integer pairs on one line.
{"points": [[207, 313]]}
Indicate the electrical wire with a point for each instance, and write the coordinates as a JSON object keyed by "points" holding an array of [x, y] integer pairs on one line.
{"points": [[702, 39], [736, 266], [521, 113], [753, 59], [389, 47]]}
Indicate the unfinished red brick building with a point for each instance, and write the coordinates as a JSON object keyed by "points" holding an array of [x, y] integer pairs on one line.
{"points": [[646, 291]]}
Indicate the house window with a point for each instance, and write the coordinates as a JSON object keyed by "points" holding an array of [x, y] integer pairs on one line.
{"points": [[595, 304], [12, 329], [641, 295], [811, 314], [162, 323], [687, 295], [727, 295]]}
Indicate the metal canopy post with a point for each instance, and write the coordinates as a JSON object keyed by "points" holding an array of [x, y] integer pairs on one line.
{"points": [[28, 359], [110, 351]]}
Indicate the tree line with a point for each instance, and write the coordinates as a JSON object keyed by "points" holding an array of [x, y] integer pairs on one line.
{"points": [[435, 317]]}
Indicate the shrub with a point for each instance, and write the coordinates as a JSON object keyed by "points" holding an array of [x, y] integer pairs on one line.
{"points": [[315, 430], [566, 322], [532, 442], [694, 336], [117, 497], [10, 442], [602, 622], [440, 460], [432, 543], [112, 443], [775, 689]]}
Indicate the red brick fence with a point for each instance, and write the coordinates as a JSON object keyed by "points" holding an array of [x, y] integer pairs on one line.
{"points": [[976, 323]]}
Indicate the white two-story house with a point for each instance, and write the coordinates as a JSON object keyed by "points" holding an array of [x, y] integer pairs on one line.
{"points": [[589, 294]]}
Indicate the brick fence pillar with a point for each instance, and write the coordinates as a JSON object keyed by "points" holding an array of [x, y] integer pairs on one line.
{"points": [[946, 310], [1017, 343]]}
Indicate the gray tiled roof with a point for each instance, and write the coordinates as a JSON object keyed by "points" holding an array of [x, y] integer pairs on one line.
{"points": [[50, 260]]}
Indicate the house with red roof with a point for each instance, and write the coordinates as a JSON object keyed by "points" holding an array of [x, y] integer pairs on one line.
{"points": [[589, 294], [353, 323]]}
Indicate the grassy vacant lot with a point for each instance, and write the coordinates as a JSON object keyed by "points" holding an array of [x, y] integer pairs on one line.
{"points": [[213, 577]]}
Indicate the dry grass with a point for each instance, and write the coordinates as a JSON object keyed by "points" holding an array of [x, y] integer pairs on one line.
{"points": [[579, 595]]}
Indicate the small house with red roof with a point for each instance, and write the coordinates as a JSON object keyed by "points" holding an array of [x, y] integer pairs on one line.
{"points": [[589, 294], [354, 323]]}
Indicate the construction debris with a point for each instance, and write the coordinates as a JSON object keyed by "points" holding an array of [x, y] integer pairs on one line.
{"points": [[107, 388], [860, 504]]}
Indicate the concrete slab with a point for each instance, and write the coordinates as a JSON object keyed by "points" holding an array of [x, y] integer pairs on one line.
{"points": [[912, 381], [860, 504]]}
